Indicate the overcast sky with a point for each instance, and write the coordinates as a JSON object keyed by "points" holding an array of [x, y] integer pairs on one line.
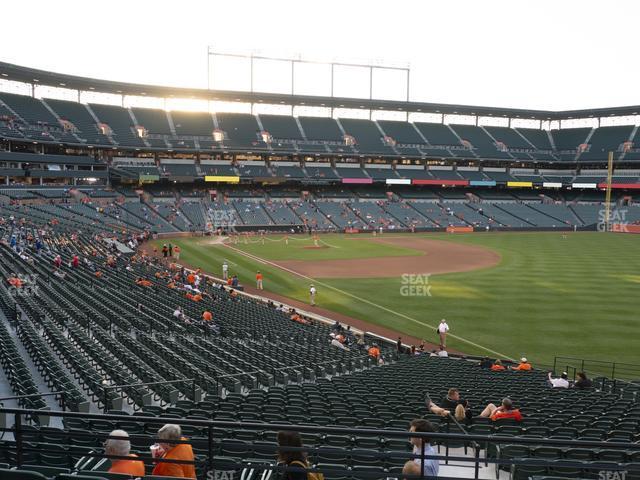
{"points": [[547, 54]]}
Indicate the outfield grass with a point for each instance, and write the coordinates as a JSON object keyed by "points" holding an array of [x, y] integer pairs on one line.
{"points": [[578, 296]]}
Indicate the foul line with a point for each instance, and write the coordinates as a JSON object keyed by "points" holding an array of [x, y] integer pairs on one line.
{"points": [[381, 307]]}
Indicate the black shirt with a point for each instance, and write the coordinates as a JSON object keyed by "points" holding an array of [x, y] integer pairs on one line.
{"points": [[486, 363], [449, 404], [293, 475], [582, 384]]}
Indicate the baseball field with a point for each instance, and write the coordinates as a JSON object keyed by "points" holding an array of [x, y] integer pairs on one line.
{"points": [[503, 294]]}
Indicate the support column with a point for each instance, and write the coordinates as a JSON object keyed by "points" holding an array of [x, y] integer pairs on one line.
{"points": [[251, 63], [332, 65], [293, 64]]}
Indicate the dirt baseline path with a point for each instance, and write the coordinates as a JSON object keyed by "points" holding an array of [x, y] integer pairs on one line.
{"points": [[438, 256]]}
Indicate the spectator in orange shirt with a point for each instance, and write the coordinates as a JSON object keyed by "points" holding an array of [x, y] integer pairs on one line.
{"points": [[523, 366], [207, 316], [296, 317], [197, 297], [374, 352], [174, 451], [98, 274], [259, 280], [191, 278], [121, 447], [14, 281], [497, 367], [503, 412], [143, 282]]}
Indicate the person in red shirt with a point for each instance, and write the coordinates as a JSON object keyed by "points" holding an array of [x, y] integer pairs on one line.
{"points": [[207, 316], [503, 412], [75, 261], [498, 367], [259, 280], [121, 447]]}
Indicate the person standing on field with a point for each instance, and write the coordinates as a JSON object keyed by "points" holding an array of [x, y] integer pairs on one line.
{"points": [[443, 329], [259, 280], [225, 270], [312, 295]]}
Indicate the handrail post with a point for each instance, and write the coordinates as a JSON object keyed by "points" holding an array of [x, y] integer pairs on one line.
{"points": [[477, 461], [555, 359], [422, 459], [106, 398], [194, 385], [613, 371], [210, 452], [446, 447], [18, 436]]}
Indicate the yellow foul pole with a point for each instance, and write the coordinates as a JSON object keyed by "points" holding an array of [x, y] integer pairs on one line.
{"points": [[607, 212]]}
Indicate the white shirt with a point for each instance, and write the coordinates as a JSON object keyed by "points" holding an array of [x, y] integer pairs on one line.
{"points": [[336, 343], [559, 383], [177, 313], [443, 328], [312, 290], [443, 353], [225, 267]]}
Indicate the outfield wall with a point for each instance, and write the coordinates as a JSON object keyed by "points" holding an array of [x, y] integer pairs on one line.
{"points": [[623, 228]]}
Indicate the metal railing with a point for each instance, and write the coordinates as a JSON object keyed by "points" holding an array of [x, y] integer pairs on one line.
{"points": [[210, 439], [612, 370]]}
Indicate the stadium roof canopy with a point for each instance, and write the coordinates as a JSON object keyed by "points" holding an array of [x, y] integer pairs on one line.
{"points": [[18, 73]]}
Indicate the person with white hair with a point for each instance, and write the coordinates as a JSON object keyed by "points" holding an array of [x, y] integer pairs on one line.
{"points": [[172, 446], [118, 445]]}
